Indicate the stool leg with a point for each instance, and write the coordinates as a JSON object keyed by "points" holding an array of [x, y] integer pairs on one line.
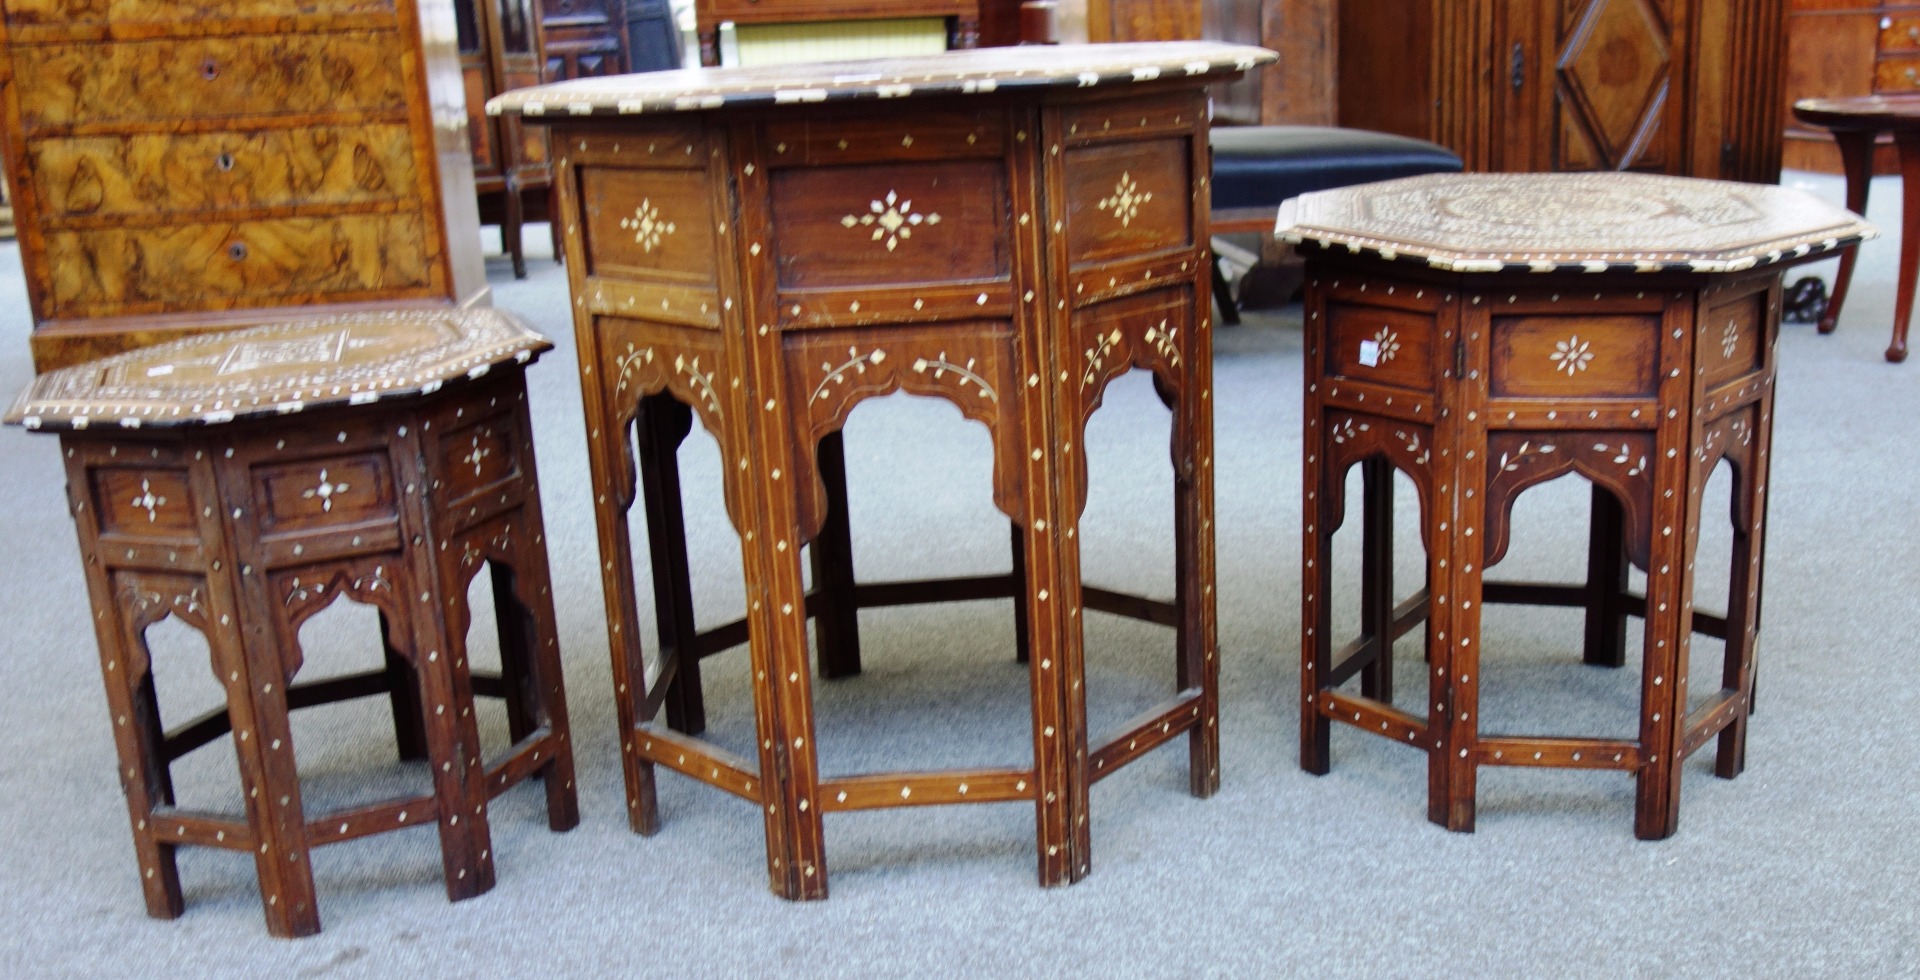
{"points": [[530, 665], [1909, 146], [1606, 639], [263, 745], [1022, 650], [1223, 295], [663, 424], [403, 692], [836, 618], [1663, 686], [1376, 577], [510, 229], [453, 739], [1455, 567], [1316, 646], [140, 739], [1856, 159], [1743, 599]]}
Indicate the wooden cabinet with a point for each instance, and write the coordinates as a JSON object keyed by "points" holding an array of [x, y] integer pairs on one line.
{"points": [[962, 16], [583, 37], [1673, 86], [180, 167], [1846, 47], [501, 49]]}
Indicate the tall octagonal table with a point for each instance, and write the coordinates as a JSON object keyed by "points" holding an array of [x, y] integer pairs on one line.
{"points": [[763, 249], [1486, 333]]}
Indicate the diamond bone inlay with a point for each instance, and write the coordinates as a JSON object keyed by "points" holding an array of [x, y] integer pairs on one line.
{"points": [[646, 225], [148, 501], [324, 491], [1126, 200], [891, 219], [1571, 355]]}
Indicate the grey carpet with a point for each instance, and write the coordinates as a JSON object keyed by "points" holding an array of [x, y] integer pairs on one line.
{"points": [[1805, 865]]}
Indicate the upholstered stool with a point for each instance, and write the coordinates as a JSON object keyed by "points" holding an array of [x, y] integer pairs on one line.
{"points": [[242, 482], [1257, 167], [1487, 333]]}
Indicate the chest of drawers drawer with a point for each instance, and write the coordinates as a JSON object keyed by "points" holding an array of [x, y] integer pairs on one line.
{"points": [[164, 176], [220, 265], [152, 82], [1897, 74], [70, 13]]}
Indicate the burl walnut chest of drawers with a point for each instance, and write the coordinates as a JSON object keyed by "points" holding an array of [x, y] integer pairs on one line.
{"points": [[184, 165]]}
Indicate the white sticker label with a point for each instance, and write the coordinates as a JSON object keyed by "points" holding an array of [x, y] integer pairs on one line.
{"points": [[161, 371], [1369, 353]]}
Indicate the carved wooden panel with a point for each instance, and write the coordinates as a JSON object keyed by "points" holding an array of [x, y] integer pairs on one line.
{"points": [[926, 222], [1591, 356], [161, 174], [1615, 68], [1128, 199], [649, 224], [1381, 345], [144, 502], [331, 490]]}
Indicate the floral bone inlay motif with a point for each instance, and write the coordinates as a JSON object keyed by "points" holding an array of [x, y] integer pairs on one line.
{"points": [[1347, 430], [1164, 340], [632, 360], [1126, 200], [1388, 344], [940, 366], [325, 491], [479, 453], [1729, 339], [148, 501], [646, 225], [703, 382], [891, 219], [1511, 461], [1413, 446], [1571, 355], [1623, 456], [856, 364], [1097, 356]]}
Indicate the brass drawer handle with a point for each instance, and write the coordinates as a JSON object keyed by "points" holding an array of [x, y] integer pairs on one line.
{"points": [[1913, 76], [209, 69], [1913, 32], [224, 161], [237, 251]]}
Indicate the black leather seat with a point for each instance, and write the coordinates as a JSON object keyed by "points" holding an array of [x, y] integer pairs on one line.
{"points": [[1257, 167], [1260, 166]]}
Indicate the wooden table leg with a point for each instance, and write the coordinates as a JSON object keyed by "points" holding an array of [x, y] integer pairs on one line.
{"points": [[836, 619], [1856, 160], [1376, 577], [662, 425], [1908, 143], [1606, 643]]}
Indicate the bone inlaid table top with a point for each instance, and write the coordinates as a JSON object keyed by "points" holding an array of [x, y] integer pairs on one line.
{"points": [[1573, 222], [761, 250], [1484, 334], [301, 365]]}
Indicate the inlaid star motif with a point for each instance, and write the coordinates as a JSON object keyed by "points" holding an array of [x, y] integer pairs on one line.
{"points": [[891, 220], [1389, 343], [325, 491], [1126, 200], [149, 502], [1571, 355], [1730, 339], [477, 456], [646, 225]]}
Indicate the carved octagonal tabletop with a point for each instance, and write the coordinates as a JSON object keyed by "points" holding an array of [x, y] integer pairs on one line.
{"points": [[279, 369], [1591, 222], [969, 72]]}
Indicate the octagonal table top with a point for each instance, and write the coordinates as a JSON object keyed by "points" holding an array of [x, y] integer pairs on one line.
{"points": [[279, 369], [1874, 112], [973, 72], [1582, 222]]}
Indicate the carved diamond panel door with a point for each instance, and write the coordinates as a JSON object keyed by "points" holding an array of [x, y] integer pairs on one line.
{"points": [[1613, 77]]}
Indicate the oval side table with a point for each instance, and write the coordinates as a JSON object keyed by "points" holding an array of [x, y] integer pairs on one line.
{"points": [[1486, 333], [242, 482], [1856, 122]]}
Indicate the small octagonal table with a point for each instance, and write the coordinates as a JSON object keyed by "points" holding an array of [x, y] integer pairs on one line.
{"points": [[1487, 333], [763, 249]]}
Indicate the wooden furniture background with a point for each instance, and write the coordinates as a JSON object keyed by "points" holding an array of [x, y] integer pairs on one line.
{"points": [[1841, 48], [268, 473], [582, 38], [1008, 229], [1675, 86], [963, 16], [1486, 333], [179, 167], [501, 49]]}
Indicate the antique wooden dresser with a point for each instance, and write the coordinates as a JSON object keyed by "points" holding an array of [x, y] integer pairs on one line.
{"points": [[180, 166]]}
